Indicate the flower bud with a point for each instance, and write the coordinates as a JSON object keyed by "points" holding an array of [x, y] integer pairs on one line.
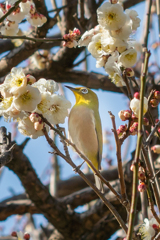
{"points": [[134, 128], [157, 120], [145, 121], [137, 95], [34, 117], [76, 31], [147, 133], [127, 114], [157, 95], [142, 187], [114, 1], [26, 236], [141, 175], [14, 234], [121, 115], [132, 167], [38, 126], [155, 226], [30, 79], [156, 149], [154, 102], [122, 128], [129, 72], [134, 118]]}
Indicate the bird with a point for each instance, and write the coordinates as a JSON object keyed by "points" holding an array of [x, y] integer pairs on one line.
{"points": [[85, 129]]}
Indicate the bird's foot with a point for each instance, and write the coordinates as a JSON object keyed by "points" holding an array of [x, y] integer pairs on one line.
{"points": [[76, 169]]}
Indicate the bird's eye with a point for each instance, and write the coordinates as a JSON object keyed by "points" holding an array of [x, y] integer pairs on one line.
{"points": [[84, 90]]}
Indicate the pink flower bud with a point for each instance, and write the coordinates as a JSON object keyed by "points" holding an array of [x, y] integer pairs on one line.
{"points": [[154, 102], [142, 187], [34, 117], [114, 1], [30, 79], [134, 118], [38, 126], [156, 149], [122, 128], [129, 72], [157, 120], [127, 114], [132, 167], [157, 94], [26, 236], [137, 95], [155, 226], [141, 175], [76, 31], [14, 234], [121, 115], [145, 121]]}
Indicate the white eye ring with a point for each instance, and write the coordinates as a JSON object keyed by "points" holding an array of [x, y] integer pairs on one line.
{"points": [[84, 90]]}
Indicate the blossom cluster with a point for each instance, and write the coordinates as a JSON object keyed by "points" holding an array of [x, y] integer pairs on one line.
{"points": [[132, 115], [24, 100], [148, 228], [110, 43], [25, 10]]}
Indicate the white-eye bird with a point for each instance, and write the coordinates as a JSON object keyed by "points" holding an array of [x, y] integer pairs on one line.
{"points": [[85, 128]]}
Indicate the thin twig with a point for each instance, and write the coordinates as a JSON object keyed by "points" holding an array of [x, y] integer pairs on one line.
{"points": [[146, 32], [85, 158], [148, 140], [82, 60], [138, 148], [158, 14], [33, 39], [119, 161], [105, 201]]}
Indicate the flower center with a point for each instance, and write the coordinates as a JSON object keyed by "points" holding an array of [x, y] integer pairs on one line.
{"points": [[54, 108], [26, 97], [98, 46], [17, 82], [7, 102], [129, 57], [110, 17]]}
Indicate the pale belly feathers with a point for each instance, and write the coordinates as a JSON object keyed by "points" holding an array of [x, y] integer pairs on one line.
{"points": [[82, 131]]}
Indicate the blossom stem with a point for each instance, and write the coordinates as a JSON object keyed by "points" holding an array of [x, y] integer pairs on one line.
{"points": [[33, 39], [138, 149], [145, 44], [10, 11], [119, 161]]}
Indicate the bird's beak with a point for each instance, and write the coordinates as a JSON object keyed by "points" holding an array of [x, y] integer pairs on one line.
{"points": [[71, 88]]}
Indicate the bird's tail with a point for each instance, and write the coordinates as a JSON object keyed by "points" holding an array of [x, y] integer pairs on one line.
{"points": [[99, 183]]}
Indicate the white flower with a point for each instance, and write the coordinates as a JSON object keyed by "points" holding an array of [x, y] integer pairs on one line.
{"points": [[95, 47], [36, 19], [46, 85], [17, 81], [6, 104], [53, 107], [9, 28], [26, 127], [156, 149], [146, 229], [87, 36], [134, 19], [135, 106], [101, 61], [111, 16], [16, 16], [108, 43], [5, 90], [20, 235], [27, 7], [28, 100], [128, 58], [123, 32]]}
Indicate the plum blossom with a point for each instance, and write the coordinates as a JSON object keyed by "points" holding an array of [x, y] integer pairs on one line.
{"points": [[135, 21], [135, 106], [87, 36], [9, 28], [147, 229], [16, 82], [46, 85], [95, 46], [53, 107], [26, 127], [111, 16], [28, 100], [36, 19], [128, 58]]}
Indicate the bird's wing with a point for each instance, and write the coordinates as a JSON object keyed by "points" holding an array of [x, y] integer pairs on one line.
{"points": [[98, 129]]}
